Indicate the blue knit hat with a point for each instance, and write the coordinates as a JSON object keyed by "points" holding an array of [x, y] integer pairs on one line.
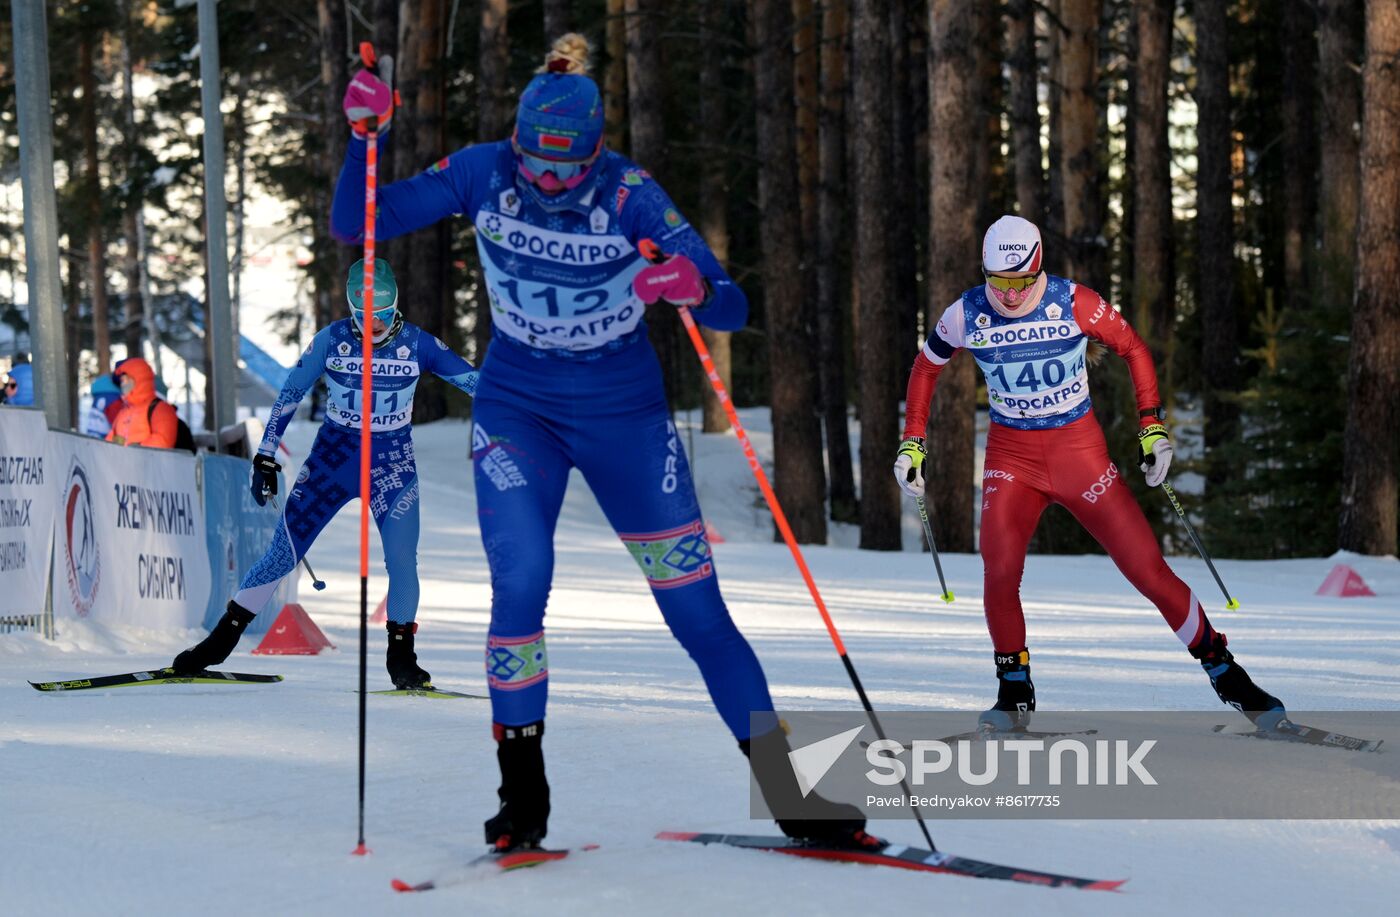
{"points": [[560, 117]]}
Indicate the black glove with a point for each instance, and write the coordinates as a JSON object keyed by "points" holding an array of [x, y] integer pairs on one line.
{"points": [[264, 477]]}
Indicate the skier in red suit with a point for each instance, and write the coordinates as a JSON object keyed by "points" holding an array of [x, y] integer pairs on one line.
{"points": [[1029, 332]]}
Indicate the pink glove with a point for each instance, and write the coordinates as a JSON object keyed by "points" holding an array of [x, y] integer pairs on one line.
{"points": [[676, 280], [367, 97]]}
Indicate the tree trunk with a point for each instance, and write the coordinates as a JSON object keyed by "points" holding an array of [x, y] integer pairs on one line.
{"points": [[335, 75], [615, 79], [806, 79], [1154, 281], [954, 260], [714, 208], [799, 480], [424, 286], [900, 220], [990, 174], [493, 121], [1299, 152], [877, 363], [134, 331], [832, 281], [1371, 467], [645, 81], [557, 19], [92, 181], [386, 41], [1053, 229], [1079, 142], [1339, 49], [1025, 109], [1215, 242], [386, 27]]}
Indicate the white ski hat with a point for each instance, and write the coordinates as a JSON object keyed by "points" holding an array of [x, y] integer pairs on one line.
{"points": [[1011, 245]]}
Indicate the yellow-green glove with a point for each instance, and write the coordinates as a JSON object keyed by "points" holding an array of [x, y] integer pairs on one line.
{"points": [[1154, 453], [909, 466]]}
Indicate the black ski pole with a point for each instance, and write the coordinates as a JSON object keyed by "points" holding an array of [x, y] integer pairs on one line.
{"points": [[1231, 602], [933, 548], [316, 581]]}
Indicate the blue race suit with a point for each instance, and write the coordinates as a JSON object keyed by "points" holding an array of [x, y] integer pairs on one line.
{"points": [[330, 477], [571, 381]]}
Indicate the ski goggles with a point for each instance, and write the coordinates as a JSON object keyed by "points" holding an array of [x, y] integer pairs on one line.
{"points": [[384, 315], [570, 174], [1012, 284]]}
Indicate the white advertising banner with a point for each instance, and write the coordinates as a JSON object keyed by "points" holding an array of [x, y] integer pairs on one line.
{"points": [[129, 539], [28, 493]]}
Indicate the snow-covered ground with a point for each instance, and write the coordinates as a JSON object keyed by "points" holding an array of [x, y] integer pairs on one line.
{"points": [[242, 800]]}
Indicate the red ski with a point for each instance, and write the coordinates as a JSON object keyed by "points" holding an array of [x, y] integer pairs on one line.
{"points": [[899, 857], [487, 862]]}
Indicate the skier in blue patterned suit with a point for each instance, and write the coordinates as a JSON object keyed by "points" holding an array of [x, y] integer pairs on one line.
{"points": [[330, 477], [571, 381]]}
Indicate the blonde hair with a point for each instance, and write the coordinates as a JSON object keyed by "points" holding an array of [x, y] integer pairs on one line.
{"points": [[569, 54]]}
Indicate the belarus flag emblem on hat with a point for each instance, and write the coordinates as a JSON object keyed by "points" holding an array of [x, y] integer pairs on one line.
{"points": [[555, 142]]}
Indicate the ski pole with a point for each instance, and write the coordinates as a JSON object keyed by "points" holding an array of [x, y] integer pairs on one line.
{"points": [[1231, 602], [933, 548], [317, 583], [652, 252], [367, 55]]}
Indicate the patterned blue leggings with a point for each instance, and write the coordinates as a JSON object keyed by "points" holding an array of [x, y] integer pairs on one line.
{"points": [[532, 424], [329, 479]]}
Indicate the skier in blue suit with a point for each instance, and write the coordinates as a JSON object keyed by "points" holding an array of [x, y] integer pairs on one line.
{"points": [[571, 381], [330, 477]]}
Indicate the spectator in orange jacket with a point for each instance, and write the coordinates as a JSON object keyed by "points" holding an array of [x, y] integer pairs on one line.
{"points": [[145, 419]]}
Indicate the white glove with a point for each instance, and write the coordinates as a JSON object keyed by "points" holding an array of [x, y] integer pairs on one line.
{"points": [[909, 466], [1154, 453]]}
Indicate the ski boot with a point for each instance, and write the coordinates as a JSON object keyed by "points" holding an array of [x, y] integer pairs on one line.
{"points": [[522, 820], [402, 661], [1233, 685], [1015, 694], [216, 647], [834, 825]]}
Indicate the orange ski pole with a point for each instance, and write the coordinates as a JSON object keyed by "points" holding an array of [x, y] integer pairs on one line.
{"points": [[652, 252]]}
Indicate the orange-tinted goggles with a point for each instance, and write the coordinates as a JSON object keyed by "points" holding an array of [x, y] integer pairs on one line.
{"points": [[1006, 284]]}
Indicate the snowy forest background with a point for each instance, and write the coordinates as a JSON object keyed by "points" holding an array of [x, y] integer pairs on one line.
{"points": [[1226, 172]]}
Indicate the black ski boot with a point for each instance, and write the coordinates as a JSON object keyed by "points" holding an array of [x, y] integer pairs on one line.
{"points": [[522, 821], [214, 648], [1015, 694], [1233, 685], [402, 661], [832, 825]]}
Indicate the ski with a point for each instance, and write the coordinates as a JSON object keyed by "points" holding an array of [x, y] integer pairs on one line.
{"points": [[984, 735], [428, 691], [487, 863], [164, 676], [899, 857], [1289, 731]]}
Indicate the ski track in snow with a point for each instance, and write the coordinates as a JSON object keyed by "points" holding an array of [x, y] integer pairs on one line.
{"points": [[237, 800]]}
